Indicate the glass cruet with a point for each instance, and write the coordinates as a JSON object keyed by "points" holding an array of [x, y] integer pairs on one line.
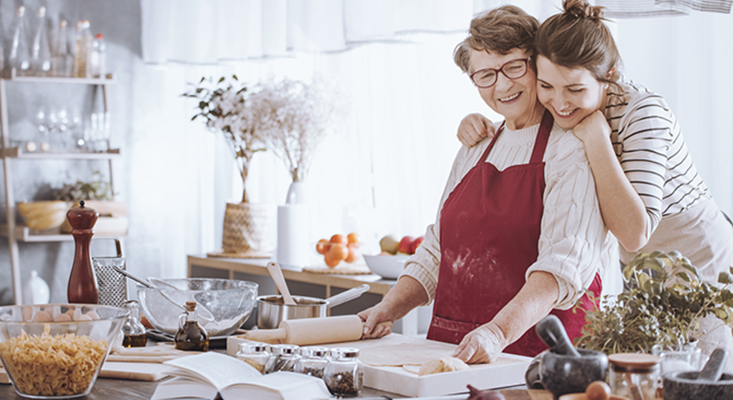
{"points": [[133, 329]]}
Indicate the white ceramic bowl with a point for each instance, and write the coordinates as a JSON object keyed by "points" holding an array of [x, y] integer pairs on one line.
{"points": [[388, 267], [61, 359]]}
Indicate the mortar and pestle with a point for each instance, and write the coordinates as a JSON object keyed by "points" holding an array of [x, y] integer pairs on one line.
{"points": [[565, 369], [710, 383]]}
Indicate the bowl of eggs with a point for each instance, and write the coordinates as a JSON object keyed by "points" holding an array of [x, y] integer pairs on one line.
{"points": [[55, 351]]}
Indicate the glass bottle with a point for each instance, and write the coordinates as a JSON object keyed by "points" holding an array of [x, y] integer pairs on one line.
{"points": [[40, 51], [20, 55], [254, 354], [62, 62], [83, 50], [283, 358], [344, 373], [634, 376], [99, 57], [312, 361], [133, 329], [191, 335]]}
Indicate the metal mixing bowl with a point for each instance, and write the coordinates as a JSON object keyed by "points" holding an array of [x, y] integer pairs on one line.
{"points": [[228, 302]]}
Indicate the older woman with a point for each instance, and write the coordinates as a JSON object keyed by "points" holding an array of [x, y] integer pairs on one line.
{"points": [[519, 232]]}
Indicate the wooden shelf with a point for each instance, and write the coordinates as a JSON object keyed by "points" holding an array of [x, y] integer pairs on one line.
{"points": [[11, 75], [25, 234], [18, 152]]}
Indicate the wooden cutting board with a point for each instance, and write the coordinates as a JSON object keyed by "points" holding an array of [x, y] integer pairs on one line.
{"points": [[121, 370]]}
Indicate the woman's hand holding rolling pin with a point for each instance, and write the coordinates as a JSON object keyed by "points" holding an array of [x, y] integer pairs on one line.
{"points": [[377, 321]]}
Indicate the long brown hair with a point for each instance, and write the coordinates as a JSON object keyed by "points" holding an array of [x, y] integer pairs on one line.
{"points": [[499, 30], [578, 37]]}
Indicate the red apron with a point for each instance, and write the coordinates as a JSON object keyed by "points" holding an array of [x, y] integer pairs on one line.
{"points": [[489, 235]]}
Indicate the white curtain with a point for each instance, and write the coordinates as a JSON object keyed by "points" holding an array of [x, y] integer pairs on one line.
{"points": [[393, 60]]}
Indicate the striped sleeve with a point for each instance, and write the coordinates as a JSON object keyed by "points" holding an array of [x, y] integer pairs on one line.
{"points": [[646, 135]]}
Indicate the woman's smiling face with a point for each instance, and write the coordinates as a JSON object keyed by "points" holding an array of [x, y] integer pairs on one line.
{"points": [[514, 99], [569, 94]]}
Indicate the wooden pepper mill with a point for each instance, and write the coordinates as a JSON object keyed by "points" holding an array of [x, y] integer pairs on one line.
{"points": [[82, 283]]}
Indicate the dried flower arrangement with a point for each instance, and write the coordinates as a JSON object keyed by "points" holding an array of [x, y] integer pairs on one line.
{"points": [[295, 117], [662, 305], [224, 106]]}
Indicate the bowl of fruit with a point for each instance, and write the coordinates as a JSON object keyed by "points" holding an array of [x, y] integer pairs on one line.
{"points": [[340, 248], [391, 261]]}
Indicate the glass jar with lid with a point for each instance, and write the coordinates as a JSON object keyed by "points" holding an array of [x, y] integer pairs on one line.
{"points": [[282, 358], [344, 373], [312, 361], [254, 354], [635, 376]]}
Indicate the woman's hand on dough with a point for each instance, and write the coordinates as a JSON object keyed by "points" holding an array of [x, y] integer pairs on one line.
{"points": [[592, 127], [377, 321], [473, 129], [482, 345]]}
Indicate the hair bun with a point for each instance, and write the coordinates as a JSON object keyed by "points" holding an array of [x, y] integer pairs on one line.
{"points": [[582, 9]]}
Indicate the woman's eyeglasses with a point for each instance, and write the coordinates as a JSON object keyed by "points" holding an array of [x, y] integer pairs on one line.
{"points": [[513, 69]]}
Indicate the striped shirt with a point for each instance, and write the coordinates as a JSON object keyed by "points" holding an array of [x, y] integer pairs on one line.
{"points": [[649, 145]]}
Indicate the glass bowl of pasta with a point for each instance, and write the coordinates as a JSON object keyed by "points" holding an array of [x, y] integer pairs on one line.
{"points": [[55, 351]]}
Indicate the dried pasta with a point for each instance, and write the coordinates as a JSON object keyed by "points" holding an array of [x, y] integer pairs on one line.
{"points": [[52, 365]]}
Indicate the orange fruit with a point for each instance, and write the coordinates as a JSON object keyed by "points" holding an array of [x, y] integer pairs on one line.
{"points": [[353, 237], [353, 253], [339, 238], [322, 246], [331, 262], [338, 251]]}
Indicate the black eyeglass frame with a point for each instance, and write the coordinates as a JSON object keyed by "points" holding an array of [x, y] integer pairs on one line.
{"points": [[501, 69]]}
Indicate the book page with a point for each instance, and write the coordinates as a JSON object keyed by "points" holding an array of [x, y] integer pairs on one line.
{"points": [[181, 388], [218, 369], [289, 385]]}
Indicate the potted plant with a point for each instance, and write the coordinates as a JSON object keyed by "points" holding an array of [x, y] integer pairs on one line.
{"points": [[662, 305], [224, 107]]}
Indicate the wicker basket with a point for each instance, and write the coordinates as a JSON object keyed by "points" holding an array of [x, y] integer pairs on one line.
{"points": [[249, 229]]}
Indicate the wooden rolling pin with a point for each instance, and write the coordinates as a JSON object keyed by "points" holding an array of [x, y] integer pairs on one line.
{"points": [[307, 331]]}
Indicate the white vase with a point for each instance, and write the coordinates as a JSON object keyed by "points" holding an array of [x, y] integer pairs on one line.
{"points": [[298, 193], [36, 290], [293, 228]]}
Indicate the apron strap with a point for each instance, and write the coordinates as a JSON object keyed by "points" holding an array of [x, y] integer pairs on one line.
{"points": [[542, 138]]}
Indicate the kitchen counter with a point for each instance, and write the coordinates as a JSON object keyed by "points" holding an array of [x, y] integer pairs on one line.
{"points": [[117, 389]]}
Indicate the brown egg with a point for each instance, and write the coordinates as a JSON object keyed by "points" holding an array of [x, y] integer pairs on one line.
{"points": [[92, 315], [84, 317], [27, 314], [42, 316], [598, 390], [62, 318]]}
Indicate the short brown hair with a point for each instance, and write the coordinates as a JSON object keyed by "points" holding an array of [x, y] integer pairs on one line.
{"points": [[578, 37], [499, 30]]}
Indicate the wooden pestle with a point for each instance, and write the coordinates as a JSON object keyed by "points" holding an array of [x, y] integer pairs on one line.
{"points": [[308, 331], [551, 330]]}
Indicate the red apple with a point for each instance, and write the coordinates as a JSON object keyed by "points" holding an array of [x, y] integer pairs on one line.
{"points": [[416, 243], [405, 245]]}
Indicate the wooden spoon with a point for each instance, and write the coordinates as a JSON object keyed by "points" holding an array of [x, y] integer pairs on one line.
{"points": [[277, 275]]}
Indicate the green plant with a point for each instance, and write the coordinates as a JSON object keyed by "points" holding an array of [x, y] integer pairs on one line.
{"points": [[662, 304], [96, 189], [224, 107]]}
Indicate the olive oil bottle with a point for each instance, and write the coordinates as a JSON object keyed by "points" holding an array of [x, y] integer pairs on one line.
{"points": [[133, 330], [191, 335]]}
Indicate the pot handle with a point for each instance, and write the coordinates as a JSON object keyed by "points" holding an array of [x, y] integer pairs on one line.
{"points": [[348, 295]]}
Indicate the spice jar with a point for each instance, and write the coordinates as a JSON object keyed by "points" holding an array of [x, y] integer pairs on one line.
{"points": [[135, 334], [344, 373], [282, 358], [635, 376], [254, 354], [312, 361]]}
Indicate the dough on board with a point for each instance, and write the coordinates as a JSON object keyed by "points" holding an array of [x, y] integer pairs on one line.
{"points": [[443, 364]]}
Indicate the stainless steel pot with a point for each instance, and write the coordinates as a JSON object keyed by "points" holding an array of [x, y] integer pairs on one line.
{"points": [[271, 310]]}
